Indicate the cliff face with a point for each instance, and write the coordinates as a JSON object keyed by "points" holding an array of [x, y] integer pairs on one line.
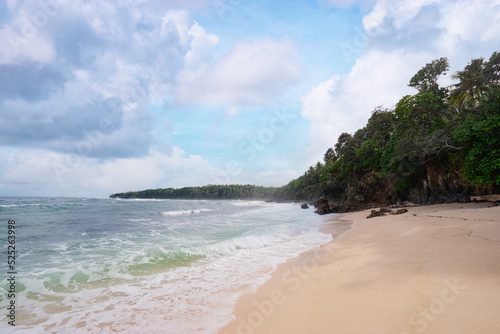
{"points": [[441, 186], [431, 185]]}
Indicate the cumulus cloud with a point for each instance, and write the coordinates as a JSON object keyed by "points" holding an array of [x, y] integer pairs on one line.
{"points": [[78, 79], [402, 37], [344, 104], [67, 68], [73, 65], [80, 176], [248, 75], [37, 172]]}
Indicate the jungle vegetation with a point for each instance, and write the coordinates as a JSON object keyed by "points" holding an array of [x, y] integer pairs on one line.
{"points": [[438, 128]]}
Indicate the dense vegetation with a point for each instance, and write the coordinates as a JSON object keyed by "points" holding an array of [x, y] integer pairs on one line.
{"points": [[438, 144], [206, 192]]}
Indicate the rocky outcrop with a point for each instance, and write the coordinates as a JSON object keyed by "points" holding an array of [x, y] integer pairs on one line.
{"points": [[376, 213], [400, 211], [386, 211], [322, 206], [429, 185]]}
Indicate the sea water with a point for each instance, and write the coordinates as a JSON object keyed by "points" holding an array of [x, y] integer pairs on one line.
{"points": [[88, 265]]}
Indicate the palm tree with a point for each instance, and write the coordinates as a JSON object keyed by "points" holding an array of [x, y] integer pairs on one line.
{"points": [[472, 83], [492, 69]]}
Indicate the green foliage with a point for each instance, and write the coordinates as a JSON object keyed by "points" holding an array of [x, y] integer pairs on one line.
{"points": [[233, 191], [424, 130], [479, 134], [492, 69], [368, 155], [477, 79], [426, 79]]}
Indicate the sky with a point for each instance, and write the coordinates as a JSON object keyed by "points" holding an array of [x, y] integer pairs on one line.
{"points": [[99, 97]]}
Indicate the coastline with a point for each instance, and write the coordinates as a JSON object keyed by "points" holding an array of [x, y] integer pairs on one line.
{"points": [[434, 269]]}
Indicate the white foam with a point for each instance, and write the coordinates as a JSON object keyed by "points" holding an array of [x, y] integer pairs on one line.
{"points": [[197, 298], [18, 205], [186, 212]]}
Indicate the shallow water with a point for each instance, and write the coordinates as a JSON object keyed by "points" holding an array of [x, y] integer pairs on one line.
{"points": [[136, 266]]}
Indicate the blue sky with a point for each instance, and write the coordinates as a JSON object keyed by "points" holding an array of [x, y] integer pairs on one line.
{"points": [[111, 96]]}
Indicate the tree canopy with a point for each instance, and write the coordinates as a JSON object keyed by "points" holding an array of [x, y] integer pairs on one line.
{"points": [[454, 130]]}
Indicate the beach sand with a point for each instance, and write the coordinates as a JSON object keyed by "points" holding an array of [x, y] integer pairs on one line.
{"points": [[434, 269]]}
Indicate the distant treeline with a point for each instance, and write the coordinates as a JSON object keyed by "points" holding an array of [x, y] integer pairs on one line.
{"points": [[235, 191]]}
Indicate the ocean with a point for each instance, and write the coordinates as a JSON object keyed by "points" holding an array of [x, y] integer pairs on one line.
{"points": [[99, 265]]}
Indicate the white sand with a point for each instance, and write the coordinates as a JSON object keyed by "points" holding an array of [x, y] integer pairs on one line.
{"points": [[435, 269]]}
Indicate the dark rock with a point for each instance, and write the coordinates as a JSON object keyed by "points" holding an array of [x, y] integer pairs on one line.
{"points": [[385, 210], [304, 206], [400, 211], [320, 202], [376, 213], [323, 210], [322, 207]]}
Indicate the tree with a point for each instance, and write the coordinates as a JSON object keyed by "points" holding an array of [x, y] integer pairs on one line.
{"points": [[342, 143], [423, 112], [329, 155], [426, 78], [472, 83], [492, 69], [479, 135], [476, 80]]}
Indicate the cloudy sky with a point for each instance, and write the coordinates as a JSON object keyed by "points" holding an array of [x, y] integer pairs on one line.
{"points": [[98, 97]]}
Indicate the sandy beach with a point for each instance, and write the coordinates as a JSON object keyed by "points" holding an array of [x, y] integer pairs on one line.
{"points": [[434, 269]]}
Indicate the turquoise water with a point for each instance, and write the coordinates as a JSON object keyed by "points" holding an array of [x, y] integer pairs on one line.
{"points": [[137, 266]]}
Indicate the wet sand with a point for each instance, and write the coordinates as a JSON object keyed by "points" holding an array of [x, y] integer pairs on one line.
{"points": [[434, 269]]}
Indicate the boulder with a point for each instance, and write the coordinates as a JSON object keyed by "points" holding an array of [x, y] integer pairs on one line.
{"points": [[383, 211], [304, 206], [375, 213], [400, 211], [320, 202], [323, 209]]}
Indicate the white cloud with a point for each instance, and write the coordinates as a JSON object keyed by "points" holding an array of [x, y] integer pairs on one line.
{"points": [[44, 173], [17, 46], [400, 12], [75, 175], [251, 73], [202, 46], [88, 65], [105, 63], [463, 30], [471, 21], [344, 104]]}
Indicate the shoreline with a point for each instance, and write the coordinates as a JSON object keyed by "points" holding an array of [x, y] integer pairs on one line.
{"points": [[434, 269]]}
